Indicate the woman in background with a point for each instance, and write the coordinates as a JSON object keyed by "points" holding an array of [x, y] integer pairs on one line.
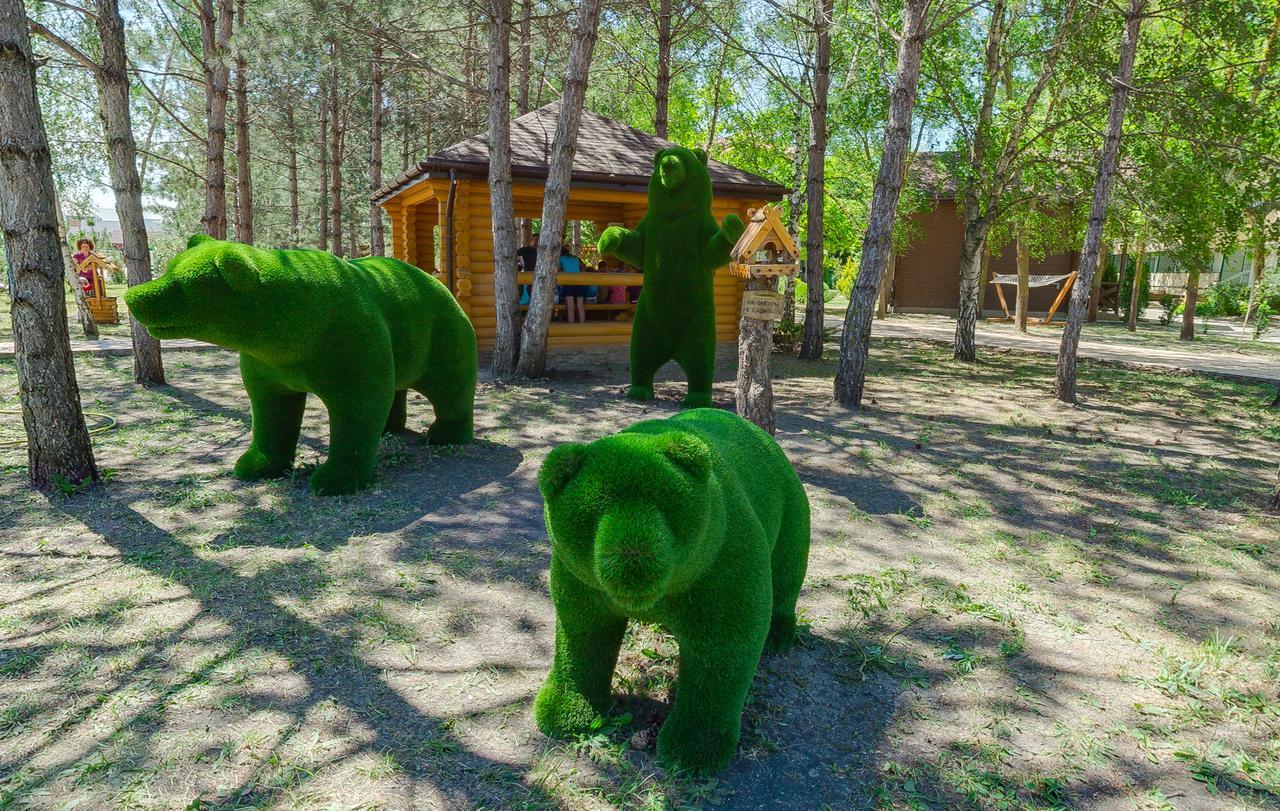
{"points": [[574, 294]]}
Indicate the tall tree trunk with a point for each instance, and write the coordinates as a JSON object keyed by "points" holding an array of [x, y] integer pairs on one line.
{"points": [[753, 392], [1024, 284], [1095, 289], [533, 338], [377, 241], [977, 207], [1258, 249], [662, 84], [324, 167], [1065, 385], [83, 315], [877, 244], [716, 103], [1135, 295], [58, 448], [122, 166], [335, 156], [505, 290], [215, 38], [244, 174], [291, 143], [794, 206], [816, 184], [524, 64], [1188, 332], [886, 285]]}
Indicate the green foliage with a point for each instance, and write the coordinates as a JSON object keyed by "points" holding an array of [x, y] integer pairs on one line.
{"points": [[679, 245], [697, 523], [1170, 305], [1126, 286], [356, 334]]}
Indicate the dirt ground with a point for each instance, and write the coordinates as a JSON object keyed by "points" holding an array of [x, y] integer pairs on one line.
{"points": [[1010, 604]]}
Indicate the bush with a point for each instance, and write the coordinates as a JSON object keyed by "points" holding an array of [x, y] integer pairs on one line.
{"points": [[1227, 300], [1126, 288], [802, 293], [1170, 306]]}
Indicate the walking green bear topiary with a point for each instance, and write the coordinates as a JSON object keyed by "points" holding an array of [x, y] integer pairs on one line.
{"points": [[679, 246], [356, 333], [697, 522]]}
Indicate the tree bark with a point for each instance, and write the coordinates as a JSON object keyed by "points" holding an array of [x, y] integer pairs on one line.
{"points": [[753, 396], [886, 285], [816, 184], [795, 204], [1188, 332], [505, 290], [83, 315], [524, 64], [244, 173], [1065, 384], [335, 155], [877, 244], [122, 166], [533, 338], [377, 238], [1258, 248], [324, 167], [58, 447], [1139, 272], [977, 214], [1095, 289], [1024, 284], [662, 84], [215, 38], [291, 144]]}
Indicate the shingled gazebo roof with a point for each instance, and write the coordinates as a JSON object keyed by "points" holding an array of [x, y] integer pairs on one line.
{"points": [[609, 154]]}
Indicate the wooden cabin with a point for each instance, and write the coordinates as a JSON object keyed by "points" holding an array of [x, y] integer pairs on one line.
{"points": [[440, 216]]}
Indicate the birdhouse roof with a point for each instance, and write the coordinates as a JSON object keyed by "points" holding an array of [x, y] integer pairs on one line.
{"points": [[765, 226]]}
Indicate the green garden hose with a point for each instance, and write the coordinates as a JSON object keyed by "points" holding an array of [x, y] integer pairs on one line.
{"points": [[107, 422]]}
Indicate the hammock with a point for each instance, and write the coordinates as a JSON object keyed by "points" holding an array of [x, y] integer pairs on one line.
{"points": [[1033, 281]]}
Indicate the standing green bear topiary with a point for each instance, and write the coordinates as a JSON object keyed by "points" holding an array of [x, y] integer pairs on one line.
{"points": [[357, 334], [679, 246], [697, 522]]}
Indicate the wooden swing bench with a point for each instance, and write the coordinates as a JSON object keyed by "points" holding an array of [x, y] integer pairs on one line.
{"points": [[998, 279]]}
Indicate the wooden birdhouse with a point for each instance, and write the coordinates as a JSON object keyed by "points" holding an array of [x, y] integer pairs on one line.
{"points": [[765, 249]]}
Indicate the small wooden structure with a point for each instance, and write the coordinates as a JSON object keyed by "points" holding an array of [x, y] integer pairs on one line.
{"points": [[440, 217], [1067, 280], [102, 308], [764, 253], [765, 249]]}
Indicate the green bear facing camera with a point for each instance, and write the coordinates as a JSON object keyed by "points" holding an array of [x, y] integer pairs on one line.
{"points": [[679, 246], [358, 334], [698, 523]]}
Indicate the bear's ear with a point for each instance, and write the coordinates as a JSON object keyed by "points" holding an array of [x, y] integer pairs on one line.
{"points": [[702, 155], [196, 239], [561, 465], [686, 452], [238, 272]]}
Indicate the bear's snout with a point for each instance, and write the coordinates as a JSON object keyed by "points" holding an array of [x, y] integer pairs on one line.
{"points": [[158, 304], [634, 556], [672, 171]]}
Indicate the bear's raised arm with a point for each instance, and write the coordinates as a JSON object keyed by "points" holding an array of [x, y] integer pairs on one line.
{"points": [[716, 253], [624, 243]]}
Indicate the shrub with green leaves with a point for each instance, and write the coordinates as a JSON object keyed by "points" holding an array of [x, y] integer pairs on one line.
{"points": [[697, 523]]}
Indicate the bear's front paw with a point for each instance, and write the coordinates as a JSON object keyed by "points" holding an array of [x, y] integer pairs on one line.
{"points": [[782, 634], [640, 393], [328, 480], [732, 226], [697, 750], [254, 465], [563, 713], [610, 240]]}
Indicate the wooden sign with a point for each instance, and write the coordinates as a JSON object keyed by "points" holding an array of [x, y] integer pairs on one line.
{"points": [[762, 305]]}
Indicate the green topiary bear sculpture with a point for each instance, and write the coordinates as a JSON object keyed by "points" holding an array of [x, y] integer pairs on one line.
{"points": [[697, 522], [679, 246], [357, 334]]}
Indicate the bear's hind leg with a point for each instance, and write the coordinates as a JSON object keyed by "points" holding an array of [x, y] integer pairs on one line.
{"points": [[647, 356], [453, 401], [277, 421], [789, 562], [396, 419]]}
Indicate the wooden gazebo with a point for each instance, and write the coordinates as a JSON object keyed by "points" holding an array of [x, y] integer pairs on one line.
{"points": [[440, 218]]}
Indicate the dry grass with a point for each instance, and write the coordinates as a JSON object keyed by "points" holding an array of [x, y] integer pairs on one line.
{"points": [[1010, 605]]}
